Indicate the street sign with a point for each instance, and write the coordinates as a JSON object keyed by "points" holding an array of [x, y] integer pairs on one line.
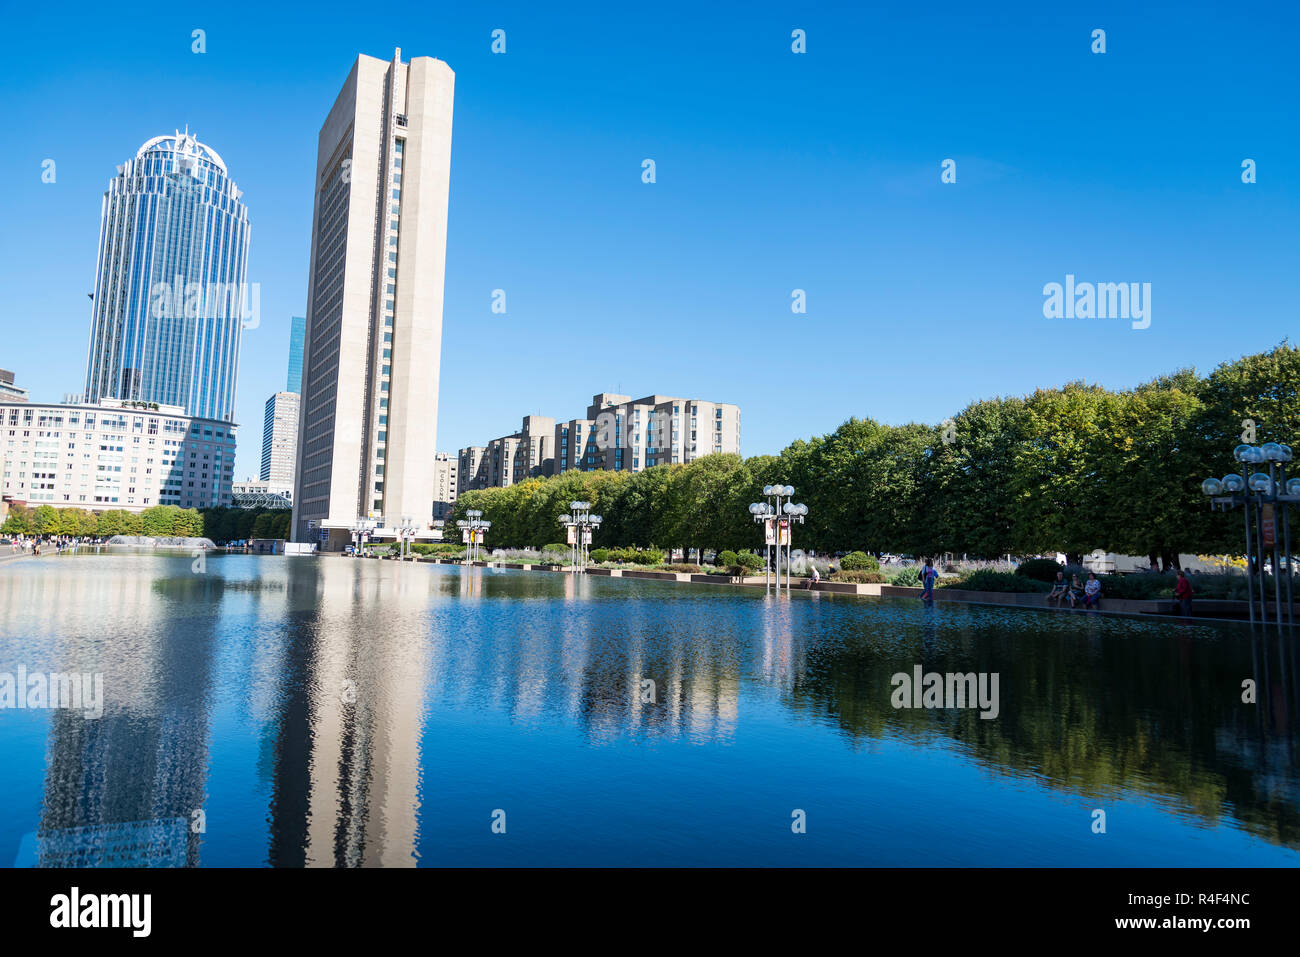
{"points": [[572, 535], [769, 531], [464, 535], [586, 536], [785, 532]]}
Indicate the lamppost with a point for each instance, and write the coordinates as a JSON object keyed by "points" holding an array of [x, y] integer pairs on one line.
{"points": [[406, 534], [578, 526], [777, 529], [473, 528], [1262, 493], [360, 529]]}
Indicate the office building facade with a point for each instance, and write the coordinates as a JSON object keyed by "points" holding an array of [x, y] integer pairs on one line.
{"points": [[374, 306], [170, 287], [114, 455]]}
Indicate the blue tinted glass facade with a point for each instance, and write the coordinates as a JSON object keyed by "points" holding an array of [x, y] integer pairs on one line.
{"points": [[297, 333], [170, 290]]}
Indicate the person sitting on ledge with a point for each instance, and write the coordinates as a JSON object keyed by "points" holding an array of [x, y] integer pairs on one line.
{"points": [[1092, 591], [1059, 589], [1075, 591]]}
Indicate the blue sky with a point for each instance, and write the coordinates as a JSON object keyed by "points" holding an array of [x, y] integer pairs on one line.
{"points": [[775, 171]]}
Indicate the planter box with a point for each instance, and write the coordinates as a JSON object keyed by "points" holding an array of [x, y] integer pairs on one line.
{"points": [[659, 576]]}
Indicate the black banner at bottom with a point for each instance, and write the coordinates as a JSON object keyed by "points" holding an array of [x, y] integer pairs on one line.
{"points": [[211, 906]]}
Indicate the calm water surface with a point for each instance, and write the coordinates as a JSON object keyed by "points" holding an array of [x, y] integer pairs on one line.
{"points": [[329, 712]]}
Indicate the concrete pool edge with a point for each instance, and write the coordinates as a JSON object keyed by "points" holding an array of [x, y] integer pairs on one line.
{"points": [[1162, 608]]}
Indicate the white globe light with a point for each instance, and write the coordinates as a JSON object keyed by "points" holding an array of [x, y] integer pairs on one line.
{"points": [[1233, 483], [767, 490], [1271, 451], [1293, 486], [1212, 486], [1260, 482]]}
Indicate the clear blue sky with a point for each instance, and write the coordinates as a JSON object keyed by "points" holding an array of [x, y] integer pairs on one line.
{"points": [[776, 171]]}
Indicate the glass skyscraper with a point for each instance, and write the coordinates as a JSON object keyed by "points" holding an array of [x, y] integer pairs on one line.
{"points": [[297, 333], [170, 289]]}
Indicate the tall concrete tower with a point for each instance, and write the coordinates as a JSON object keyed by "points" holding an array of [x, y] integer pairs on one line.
{"points": [[369, 412]]}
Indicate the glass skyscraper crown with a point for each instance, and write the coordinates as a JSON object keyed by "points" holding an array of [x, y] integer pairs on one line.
{"points": [[170, 290]]}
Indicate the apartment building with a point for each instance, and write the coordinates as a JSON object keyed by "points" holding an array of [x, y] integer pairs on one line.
{"points": [[624, 434]]}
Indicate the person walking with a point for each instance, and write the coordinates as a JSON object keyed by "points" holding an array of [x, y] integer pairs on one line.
{"points": [[1183, 592]]}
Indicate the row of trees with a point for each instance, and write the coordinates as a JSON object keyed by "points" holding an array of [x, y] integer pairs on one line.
{"points": [[161, 521], [1069, 469]]}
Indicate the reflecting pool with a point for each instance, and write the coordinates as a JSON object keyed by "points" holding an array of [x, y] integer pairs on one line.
{"points": [[332, 712]]}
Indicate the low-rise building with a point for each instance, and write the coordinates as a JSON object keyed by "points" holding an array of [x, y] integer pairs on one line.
{"points": [[114, 455]]}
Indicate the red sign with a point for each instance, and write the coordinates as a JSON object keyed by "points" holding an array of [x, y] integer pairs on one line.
{"points": [[1269, 526]]}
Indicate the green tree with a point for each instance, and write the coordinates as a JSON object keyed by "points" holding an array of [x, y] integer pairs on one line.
{"points": [[45, 520]]}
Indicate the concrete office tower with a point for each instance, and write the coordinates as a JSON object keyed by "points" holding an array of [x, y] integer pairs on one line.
{"points": [[374, 302], [170, 288], [280, 442]]}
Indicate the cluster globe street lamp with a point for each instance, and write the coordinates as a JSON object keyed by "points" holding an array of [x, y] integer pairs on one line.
{"points": [[360, 529], [579, 525], [473, 527], [777, 516], [1267, 497], [406, 536]]}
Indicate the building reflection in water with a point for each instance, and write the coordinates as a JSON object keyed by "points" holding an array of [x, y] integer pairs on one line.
{"points": [[124, 789], [345, 667], [348, 753]]}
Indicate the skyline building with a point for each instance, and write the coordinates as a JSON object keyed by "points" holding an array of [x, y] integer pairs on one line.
{"points": [[373, 336], [297, 333], [170, 288], [280, 442]]}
